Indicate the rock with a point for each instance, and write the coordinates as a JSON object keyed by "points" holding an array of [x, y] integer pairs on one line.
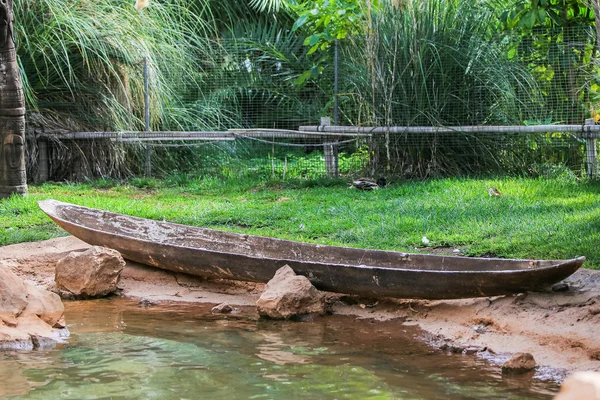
{"points": [[222, 308], [594, 310], [44, 304], [519, 363], [10, 342], [471, 350], [13, 297], [60, 324], [580, 386], [288, 295], [560, 287], [480, 329], [92, 273], [29, 314], [40, 342]]}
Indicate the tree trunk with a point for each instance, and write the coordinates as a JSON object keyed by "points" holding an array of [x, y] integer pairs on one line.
{"points": [[12, 110]]}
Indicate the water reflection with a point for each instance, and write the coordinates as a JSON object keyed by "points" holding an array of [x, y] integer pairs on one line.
{"points": [[121, 350]]}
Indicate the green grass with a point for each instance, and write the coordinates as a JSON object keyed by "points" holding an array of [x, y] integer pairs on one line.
{"points": [[536, 218]]}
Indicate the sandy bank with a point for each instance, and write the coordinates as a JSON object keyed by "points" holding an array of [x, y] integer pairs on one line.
{"points": [[559, 329]]}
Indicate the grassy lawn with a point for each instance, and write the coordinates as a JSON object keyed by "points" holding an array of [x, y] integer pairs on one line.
{"points": [[535, 218]]}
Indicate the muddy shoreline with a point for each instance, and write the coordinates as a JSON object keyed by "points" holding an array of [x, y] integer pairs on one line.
{"points": [[558, 328]]}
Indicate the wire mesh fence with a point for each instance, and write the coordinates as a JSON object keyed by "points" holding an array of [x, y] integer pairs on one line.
{"points": [[256, 107]]}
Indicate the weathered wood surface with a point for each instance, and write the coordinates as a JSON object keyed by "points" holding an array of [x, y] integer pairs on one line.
{"points": [[12, 110], [212, 253]]}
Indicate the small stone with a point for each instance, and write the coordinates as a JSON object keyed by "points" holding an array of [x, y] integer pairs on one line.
{"points": [[560, 287], [580, 386], [40, 342], [222, 308], [456, 348], [60, 324], [480, 329], [456, 251], [594, 310], [520, 297], [519, 363], [595, 355], [471, 350]]}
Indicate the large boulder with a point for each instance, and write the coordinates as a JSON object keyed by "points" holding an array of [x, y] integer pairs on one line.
{"points": [[92, 273], [580, 386], [30, 317], [13, 297], [288, 295]]}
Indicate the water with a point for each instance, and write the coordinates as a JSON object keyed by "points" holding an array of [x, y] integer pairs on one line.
{"points": [[120, 349]]}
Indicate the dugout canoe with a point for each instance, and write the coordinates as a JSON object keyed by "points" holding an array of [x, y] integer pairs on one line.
{"points": [[218, 254]]}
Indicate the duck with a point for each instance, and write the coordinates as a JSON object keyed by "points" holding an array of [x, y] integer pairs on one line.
{"points": [[368, 183], [494, 192]]}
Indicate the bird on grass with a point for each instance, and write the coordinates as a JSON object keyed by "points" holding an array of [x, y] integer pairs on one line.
{"points": [[494, 192], [141, 4], [368, 183]]}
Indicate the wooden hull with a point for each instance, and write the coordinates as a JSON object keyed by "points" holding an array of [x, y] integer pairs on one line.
{"points": [[212, 253]]}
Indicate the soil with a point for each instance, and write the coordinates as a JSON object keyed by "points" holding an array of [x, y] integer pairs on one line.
{"points": [[560, 329]]}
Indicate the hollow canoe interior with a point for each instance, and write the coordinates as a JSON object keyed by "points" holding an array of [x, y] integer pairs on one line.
{"points": [[166, 233]]}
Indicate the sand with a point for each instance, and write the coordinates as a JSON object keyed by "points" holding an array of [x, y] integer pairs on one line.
{"points": [[560, 329]]}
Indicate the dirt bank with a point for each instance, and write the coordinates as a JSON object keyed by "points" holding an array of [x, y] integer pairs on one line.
{"points": [[559, 329]]}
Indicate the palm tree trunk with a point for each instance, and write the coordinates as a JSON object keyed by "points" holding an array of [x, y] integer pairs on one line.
{"points": [[12, 110]]}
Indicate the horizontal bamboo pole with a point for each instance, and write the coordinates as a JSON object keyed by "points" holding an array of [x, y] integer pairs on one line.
{"points": [[585, 130], [259, 132], [162, 135], [173, 138], [198, 135]]}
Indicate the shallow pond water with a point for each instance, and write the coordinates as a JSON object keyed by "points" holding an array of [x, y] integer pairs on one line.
{"points": [[121, 349]]}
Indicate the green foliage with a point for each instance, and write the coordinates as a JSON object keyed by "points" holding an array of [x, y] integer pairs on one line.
{"points": [[327, 21], [557, 40], [434, 63], [324, 22], [355, 162], [558, 172], [525, 14], [82, 60], [220, 66]]}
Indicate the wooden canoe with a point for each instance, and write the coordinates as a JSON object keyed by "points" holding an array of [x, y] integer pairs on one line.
{"points": [[213, 253]]}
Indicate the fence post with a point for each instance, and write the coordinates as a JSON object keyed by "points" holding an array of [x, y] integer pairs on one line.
{"points": [[336, 76], [591, 151], [148, 164], [331, 153]]}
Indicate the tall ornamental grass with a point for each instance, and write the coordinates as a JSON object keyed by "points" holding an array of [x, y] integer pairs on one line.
{"points": [[82, 61], [82, 66], [434, 63]]}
